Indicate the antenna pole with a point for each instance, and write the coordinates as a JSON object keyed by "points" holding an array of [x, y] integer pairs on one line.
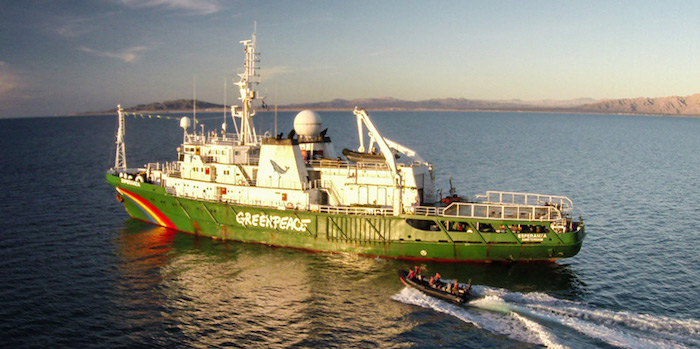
{"points": [[275, 118], [275, 109], [225, 87], [246, 88], [194, 102], [120, 156]]}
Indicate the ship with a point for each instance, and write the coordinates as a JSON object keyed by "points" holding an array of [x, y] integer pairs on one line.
{"points": [[294, 191]]}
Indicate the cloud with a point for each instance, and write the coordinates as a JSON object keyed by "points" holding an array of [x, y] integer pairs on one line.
{"points": [[14, 89], [192, 7], [273, 72], [128, 55], [6, 83], [74, 27]]}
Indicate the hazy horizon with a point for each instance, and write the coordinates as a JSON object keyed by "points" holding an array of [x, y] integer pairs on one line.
{"points": [[60, 58]]}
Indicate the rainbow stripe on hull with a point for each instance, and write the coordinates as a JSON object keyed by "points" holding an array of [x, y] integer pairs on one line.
{"points": [[153, 214]]}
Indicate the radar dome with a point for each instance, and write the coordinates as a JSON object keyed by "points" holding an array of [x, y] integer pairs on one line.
{"points": [[308, 123], [185, 122]]}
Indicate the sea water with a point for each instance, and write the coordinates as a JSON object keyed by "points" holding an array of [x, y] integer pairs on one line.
{"points": [[76, 271]]}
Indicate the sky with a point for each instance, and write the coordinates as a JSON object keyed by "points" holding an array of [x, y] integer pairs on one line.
{"points": [[59, 57]]}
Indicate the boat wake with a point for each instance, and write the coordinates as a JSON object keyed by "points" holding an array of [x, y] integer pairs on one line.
{"points": [[554, 323]]}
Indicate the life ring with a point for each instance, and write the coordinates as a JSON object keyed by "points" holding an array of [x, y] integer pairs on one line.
{"points": [[139, 178], [290, 205], [240, 182]]}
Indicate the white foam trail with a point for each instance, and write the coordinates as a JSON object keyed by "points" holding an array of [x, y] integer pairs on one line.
{"points": [[547, 338], [497, 304], [637, 328], [602, 332], [535, 317], [492, 321], [492, 303], [643, 322], [630, 330]]}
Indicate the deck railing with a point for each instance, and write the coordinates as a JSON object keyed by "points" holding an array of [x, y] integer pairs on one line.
{"points": [[492, 211], [166, 167], [455, 210], [507, 197], [228, 139], [330, 163], [352, 210], [502, 211]]}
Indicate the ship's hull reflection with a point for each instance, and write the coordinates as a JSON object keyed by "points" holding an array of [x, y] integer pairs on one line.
{"points": [[203, 292]]}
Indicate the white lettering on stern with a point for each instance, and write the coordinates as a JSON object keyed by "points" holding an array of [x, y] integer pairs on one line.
{"points": [[538, 237]]}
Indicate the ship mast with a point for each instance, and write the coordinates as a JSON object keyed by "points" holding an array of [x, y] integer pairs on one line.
{"points": [[248, 79], [120, 156]]}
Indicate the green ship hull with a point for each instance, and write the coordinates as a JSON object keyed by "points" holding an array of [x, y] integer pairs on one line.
{"points": [[407, 236]]}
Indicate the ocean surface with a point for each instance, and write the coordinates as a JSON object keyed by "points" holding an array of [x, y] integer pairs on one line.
{"points": [[76, 271]]}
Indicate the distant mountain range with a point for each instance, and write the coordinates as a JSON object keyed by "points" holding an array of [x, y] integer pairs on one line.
{"points": [[675, 105], [441, 104], [174, 105], [661, 105]]}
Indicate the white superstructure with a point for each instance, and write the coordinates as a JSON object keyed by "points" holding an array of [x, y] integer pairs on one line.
{"points": [[299, 171]]}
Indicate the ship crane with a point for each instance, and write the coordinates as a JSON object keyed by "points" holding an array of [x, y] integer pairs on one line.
{"points": [[396, 147], [375, 137], [388, 149]]}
